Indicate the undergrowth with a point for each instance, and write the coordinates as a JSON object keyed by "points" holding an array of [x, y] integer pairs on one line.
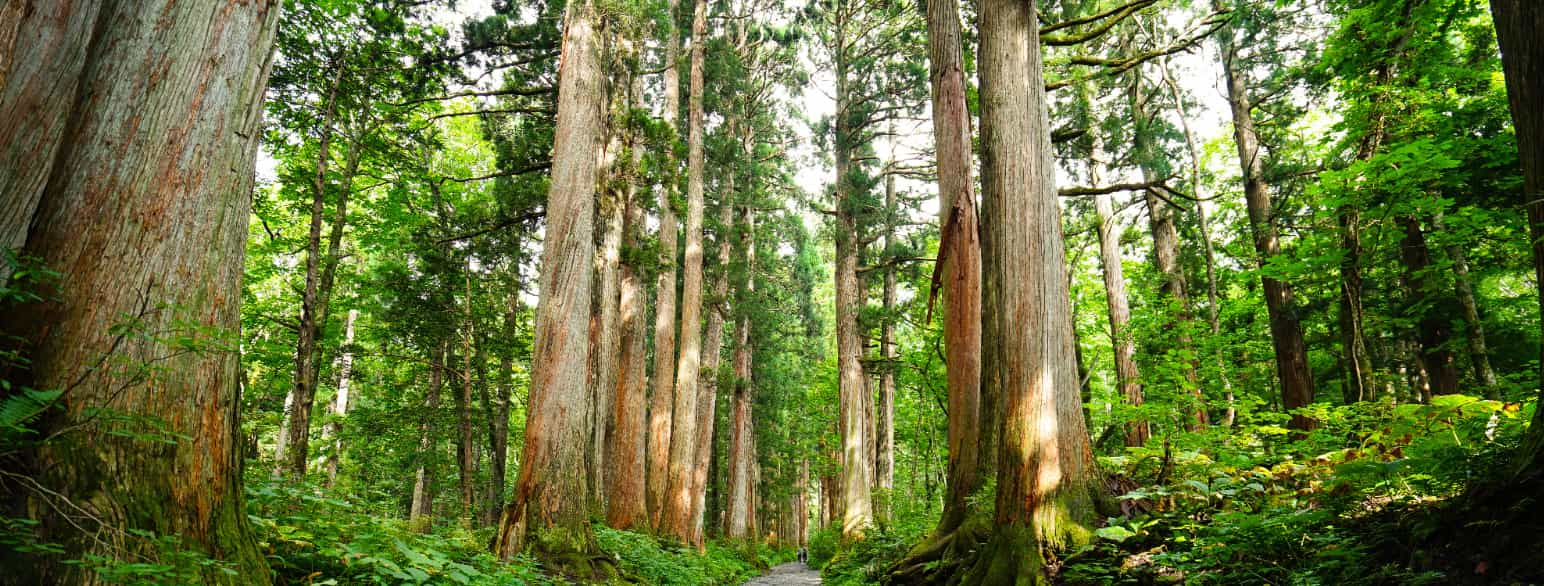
{"points": [[311, 539]]}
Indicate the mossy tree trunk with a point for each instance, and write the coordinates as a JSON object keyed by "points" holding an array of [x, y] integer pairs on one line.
{"points": [[1046, 477], [549, 515], [126, 165]]}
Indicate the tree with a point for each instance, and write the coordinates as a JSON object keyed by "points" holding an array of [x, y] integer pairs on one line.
{"points": [[137, 195], [625, 506], [1126, 373], [549, 515], [662, 401], [1522, 58], [1046, 478], [957, 275], [1286, 330], [677, 519], [340, 401]]}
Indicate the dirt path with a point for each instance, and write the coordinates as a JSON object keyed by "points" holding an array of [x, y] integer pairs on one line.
{"points": [[789, 574]]}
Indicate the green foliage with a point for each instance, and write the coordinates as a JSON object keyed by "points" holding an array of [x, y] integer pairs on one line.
{"points": [[1265, 507], [644, 559], [323, 540]]}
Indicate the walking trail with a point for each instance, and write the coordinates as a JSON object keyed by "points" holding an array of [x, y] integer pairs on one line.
{"points": [[789, 574]]}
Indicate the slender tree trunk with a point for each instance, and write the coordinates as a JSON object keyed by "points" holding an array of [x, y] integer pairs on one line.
{"points": [[1203, 222], [549, 515], [1128, 378], [1286, 330], [340, 402], [1474, 329], [683, 437], [854, 399], [742, 453], [1522, 58], [464, 459], [663, 400], [421, 514], [959, 267], [498, 415], [884, 424], [138, 194], [1433, 331], [625, 502], [297, 416], [713, 345], [1046, 478], [1162, 223], [605, 354]]}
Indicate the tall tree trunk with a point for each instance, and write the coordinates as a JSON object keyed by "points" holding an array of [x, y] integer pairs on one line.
{"points": [[683, 436], [297, 416], [662, 402], [1522, 58], [421, 512], [713, 345], [1286, 330], [340, 402], [1162, 223], [742, 453], [606, 352], [884, 424], [1203, 222], [1433, 331], [854, 399], [464, 459], [1046, 478], [549, 515], [498, 414], [1474, 329], [1127, 377], [957, 274], [625, 499], [138, 194]]}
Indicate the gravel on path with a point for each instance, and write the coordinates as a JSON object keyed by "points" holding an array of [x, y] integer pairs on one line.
{"points": [[789, 574]]}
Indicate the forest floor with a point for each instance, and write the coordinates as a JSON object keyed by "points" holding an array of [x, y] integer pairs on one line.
{"points": [[789, 574]]}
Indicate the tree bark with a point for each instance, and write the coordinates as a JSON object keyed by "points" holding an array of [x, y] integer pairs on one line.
{"points": [[138, 194], [1432, 327], [464, 459], [1046, 478], [1128, 378], [550, 515], [884, 424], [959, 267], [1286, 329], [742, 452], [625, 508], [677, 520], [1522, 59], [1474, 329], [853, 396], [605, 354], [340, 402], [707, 395], [663, 400], [421, 512]]}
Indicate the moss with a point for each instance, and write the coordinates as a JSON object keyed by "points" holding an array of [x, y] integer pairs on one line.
{"points": [[1011, 557]]}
